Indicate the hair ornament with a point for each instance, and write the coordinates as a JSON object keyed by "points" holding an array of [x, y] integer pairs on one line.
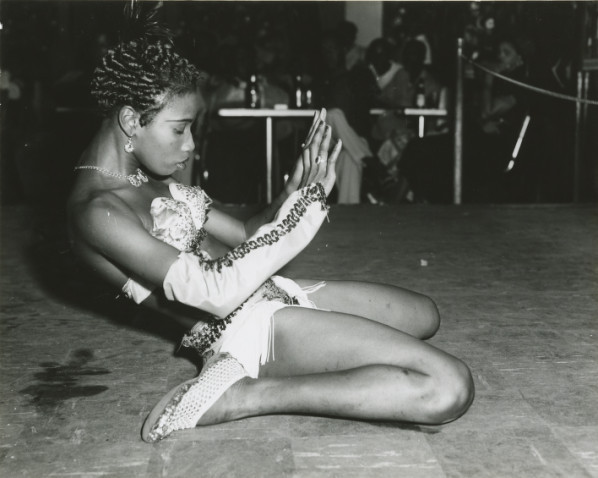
{"points": [[142, 22]]}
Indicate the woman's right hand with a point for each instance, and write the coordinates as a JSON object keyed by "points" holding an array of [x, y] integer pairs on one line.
{"points": [[315, 162]]}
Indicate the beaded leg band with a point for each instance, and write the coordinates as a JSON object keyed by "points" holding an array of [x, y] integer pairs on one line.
{"points": [[201, 337], [185, 404]]}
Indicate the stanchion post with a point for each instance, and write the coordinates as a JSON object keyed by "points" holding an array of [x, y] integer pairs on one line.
{"points": [[269, 159], [578, 140], [458, 127]]}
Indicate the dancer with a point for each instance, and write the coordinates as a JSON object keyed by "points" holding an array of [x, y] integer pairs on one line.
{"points": [[271, 344]]}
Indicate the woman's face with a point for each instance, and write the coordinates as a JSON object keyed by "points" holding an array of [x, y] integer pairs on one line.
{"points": [[166, 143], [508, 56]]}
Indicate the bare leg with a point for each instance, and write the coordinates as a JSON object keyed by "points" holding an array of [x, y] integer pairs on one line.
{"points": [[401, 309], [334, 364]]}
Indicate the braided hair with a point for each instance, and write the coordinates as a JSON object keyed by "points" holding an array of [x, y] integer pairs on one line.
{"points": [[144, 73]]}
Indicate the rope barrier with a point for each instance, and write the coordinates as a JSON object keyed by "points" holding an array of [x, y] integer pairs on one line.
{"points": [[531, 87]]}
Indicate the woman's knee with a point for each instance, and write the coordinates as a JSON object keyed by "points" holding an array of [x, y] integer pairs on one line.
{"points": [[453, 393], [428, 317]]}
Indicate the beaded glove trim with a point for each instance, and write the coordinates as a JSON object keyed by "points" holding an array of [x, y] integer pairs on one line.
{"points": [[309, 195], [203, 338]]}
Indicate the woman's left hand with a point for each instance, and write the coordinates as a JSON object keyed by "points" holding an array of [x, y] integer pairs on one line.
{"points": [[295, 178], [315, 164]]}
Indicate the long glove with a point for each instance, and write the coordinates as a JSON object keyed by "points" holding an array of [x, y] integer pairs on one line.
{"points": [[219, 286]]}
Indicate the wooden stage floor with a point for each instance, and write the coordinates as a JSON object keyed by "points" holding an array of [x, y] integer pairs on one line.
{"points": [[517, 287]]}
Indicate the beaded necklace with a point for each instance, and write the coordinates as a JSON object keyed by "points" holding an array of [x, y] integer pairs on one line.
{"points": [[136, 179]]}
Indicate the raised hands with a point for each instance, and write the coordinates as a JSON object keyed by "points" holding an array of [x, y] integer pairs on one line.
{"points": [[316, 164]]}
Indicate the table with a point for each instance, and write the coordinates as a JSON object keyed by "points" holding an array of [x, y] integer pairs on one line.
{"points": [[421, 113], [270, 113]]}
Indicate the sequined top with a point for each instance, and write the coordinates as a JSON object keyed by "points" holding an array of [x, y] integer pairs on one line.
{"points": [[179, 221]]}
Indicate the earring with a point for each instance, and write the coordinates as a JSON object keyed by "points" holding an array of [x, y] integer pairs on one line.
{"points": [[129, 148]]}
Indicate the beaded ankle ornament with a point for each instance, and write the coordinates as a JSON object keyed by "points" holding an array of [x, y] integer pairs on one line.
{"points": [[193, 398]]}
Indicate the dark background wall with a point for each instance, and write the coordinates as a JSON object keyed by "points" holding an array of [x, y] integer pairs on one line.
{"points": [[50, 48]]}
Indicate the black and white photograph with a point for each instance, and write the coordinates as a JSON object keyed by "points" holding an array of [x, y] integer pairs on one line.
{"points": [[300, 239]]}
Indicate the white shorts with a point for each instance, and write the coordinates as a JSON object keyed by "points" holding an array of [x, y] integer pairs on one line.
{"points": [[250, 336]]}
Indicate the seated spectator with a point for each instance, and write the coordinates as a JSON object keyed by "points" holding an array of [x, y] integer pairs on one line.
{"points": [[392, 78], [422, 82], [348, 96], [235, 167], [354, 54], [391, 129], [489, 138]]}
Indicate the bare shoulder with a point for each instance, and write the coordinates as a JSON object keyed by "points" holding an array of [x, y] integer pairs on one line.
{"points": [[95, 214], [108, 232]]}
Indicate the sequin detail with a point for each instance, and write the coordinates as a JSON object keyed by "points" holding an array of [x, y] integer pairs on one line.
{"points": [[309, 195], [205, 334], [196, 199], [179, 221]]}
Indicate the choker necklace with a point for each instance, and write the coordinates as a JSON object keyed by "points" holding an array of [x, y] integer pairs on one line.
{"points": [[136, 179]]}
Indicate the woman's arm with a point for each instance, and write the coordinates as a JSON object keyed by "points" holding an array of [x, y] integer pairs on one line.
{"points": [[107, 226], [501, 105], [495, 106], [232, 231], [219, 286], [107, 235]]}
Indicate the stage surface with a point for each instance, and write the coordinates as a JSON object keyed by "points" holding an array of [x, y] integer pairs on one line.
{"points": [[517, 287]]}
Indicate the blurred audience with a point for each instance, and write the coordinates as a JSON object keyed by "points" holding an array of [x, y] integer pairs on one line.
{"points": [[235, 167], [490, 135], [233, 41], [391, 131], [353, 54], [348, 96]]}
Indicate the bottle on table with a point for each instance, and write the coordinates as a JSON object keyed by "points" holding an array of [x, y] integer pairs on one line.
{"points": [[298, 99], [420, 94], [309, 103], [252, 93]]}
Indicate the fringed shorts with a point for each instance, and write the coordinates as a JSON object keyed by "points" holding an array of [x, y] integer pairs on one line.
{"points": [[249, 337]]}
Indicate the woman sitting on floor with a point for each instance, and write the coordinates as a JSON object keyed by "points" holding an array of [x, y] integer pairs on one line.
{"points": [[270, 344]]}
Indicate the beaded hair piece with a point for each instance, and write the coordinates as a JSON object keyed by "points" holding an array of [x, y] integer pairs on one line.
{"points": [[143, 71], [141, 20]]}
